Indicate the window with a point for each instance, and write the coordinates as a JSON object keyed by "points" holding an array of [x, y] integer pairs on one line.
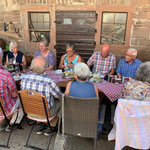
{"points": [[39, 26], [113, 28]]}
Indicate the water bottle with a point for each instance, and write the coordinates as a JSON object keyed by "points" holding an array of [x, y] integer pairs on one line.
{"points": [[17, 68]]}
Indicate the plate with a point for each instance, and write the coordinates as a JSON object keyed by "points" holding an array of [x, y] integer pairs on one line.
{"points": [[102, 76], [59, 71]]}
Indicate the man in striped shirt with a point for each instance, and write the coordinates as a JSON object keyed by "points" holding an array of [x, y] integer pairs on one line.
{"points": [[104, 62]]}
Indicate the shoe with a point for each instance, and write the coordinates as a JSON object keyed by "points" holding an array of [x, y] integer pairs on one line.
{"points": [[49, 132], [41, 129], [8, 128], [2, 127]]}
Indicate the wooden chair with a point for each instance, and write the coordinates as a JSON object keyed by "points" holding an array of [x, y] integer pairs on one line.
{"points": [[81, 117], [35, 107], [5, 116]]}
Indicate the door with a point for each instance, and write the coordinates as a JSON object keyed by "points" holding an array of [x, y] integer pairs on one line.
{"points": [[78, 27]]}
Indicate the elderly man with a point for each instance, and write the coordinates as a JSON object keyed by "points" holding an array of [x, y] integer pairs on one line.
{"points": [[43, 84], [127, 66], [104, 62], [8, 94]]}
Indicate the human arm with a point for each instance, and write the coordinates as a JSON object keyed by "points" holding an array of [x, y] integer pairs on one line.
{"points": [[79, 59], [61, 64], [12, 86], [118, 71], [24, 63], [67, 88], [90, 62], [14, 94], [51, 60], [7, 62], [112, 71], [0, 59], [50, 68], [96, 90]]}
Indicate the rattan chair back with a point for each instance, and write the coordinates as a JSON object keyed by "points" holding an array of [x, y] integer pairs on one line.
{"points": [[34, 104], [81, 116]]}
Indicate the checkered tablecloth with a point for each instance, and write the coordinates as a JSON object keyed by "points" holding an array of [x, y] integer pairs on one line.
{"points": [[111, 90], [56, 77]]}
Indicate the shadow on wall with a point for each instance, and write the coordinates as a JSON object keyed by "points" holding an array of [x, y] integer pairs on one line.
{"points": [[144, 54], [2, 44]]}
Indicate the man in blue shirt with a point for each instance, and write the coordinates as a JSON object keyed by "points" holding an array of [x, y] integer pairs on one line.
{"points": [[127, 66]]}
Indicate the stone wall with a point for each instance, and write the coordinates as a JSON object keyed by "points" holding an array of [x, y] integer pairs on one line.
{"points": [[138, 34]]}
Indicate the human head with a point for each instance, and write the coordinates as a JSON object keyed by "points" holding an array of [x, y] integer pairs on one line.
{"points": [[143, 72], [44, 44], [13, 47], [38, 65], [131, 55], [70, 49], [105, 50], [81, 71]]}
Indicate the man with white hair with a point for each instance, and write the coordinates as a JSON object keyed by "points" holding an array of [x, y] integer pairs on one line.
{"points": [[127, 66], [44, 85]]}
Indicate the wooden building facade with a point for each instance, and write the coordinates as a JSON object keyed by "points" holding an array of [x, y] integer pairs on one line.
{"points": [[88, 23]]}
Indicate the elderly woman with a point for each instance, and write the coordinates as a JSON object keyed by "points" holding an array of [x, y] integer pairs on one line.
{"points": [[139, 88], [80, 87], [15, 56], [46, 53], [69, 59]]}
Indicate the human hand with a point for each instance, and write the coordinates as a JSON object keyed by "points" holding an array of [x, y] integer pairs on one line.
{"points": [[70, 65]]}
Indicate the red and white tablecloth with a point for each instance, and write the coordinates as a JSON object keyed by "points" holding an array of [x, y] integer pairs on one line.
{"points": [[56, 77], [111, 90]]}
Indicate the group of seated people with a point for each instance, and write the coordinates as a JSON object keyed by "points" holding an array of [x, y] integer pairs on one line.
{"points": [[103, 61]]}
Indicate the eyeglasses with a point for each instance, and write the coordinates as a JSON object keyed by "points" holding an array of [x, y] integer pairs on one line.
{"points": [[128, 55], [69, 51]]}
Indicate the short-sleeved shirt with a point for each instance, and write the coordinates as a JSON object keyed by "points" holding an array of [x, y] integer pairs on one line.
{"points": [[128, 70], [73, 62], [42, 84], [50, 57], [82, 89], [7, 86], [135, 89], [18, 58], [102, 65]]}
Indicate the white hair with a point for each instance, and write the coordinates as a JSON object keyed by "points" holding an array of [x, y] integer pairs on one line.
{"points": [[45, 42], [133, 50], [81, 70], [143, 72], [11, 45], [39, 68]]}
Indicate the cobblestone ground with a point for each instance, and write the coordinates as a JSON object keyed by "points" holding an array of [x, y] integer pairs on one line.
{"points": [[19, 137]]}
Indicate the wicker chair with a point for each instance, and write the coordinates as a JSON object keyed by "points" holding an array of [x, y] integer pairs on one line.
{"points": [[81, 117], [35, 107], [5, 116]]}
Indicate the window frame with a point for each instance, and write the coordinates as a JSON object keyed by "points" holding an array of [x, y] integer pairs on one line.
{"points": [[38, 30], [113, 23]]}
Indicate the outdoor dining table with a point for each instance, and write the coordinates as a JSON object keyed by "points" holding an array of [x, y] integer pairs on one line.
{"points": [[111, 90]]}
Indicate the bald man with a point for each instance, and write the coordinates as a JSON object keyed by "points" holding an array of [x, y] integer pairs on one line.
{"points": [[44, 85], [104, 62]]}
